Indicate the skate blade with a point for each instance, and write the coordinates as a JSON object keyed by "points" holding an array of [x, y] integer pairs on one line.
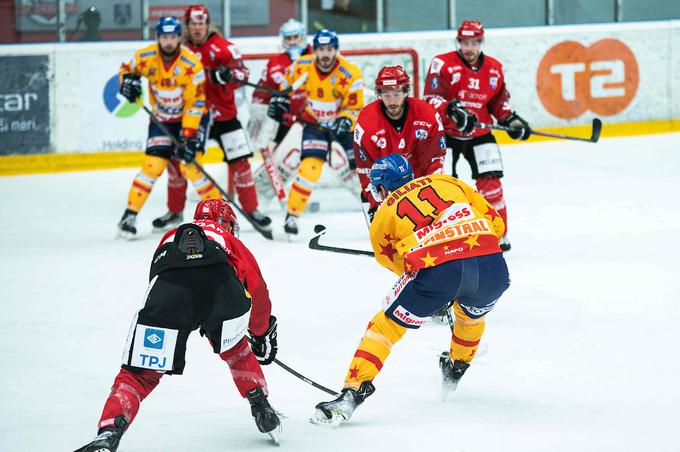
{"points": [[275, 435], [125, 235], [447, 390], [322, 420]]}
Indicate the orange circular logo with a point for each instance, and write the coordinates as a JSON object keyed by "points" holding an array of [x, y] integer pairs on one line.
{"points": [[573, 79]]}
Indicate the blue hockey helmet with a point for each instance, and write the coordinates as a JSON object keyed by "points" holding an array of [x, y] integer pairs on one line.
{"points": [[325, 37], [168, 25], [391, 172]]}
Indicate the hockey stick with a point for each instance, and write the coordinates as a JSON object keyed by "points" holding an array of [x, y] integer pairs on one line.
{"points": [[594, 136], [265, 233], [305, 379], [314, 244], [274, 175], [299, 375]]}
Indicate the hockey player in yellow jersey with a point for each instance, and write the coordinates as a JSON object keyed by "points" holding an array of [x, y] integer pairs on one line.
{"points": [[442, 238], [335, 94], [177, 98]]}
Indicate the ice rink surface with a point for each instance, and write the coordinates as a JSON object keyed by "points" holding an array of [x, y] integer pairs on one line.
{"points": [[583, 349]]}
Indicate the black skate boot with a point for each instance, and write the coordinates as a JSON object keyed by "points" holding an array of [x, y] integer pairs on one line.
{"points": [[126, 225], [452, 372], [108, 438], [290, 225], [505, 244], [341, 409], [266, 419], [262, 221], [168, 221]]}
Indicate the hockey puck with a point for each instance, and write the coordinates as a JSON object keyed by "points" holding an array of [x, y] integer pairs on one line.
{"points": [[318, 228]]}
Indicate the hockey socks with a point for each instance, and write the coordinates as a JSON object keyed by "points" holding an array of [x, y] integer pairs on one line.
{"points": [[152, 168], [177, 188], [241, 174], [373, 350], [130, 387], [245, 370], [308, 174], [467, 332]]}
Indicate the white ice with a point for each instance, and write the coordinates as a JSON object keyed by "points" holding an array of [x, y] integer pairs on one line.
{"points": [[582, 349]]}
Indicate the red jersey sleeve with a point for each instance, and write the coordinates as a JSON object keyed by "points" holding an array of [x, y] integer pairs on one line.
{"points": [[272, 77], [235, 62], [365, 153], [249, 273], [430, 159], [499, 106]]}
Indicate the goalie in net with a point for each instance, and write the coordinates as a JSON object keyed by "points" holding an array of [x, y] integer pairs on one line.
{"points": [[324, 91]]}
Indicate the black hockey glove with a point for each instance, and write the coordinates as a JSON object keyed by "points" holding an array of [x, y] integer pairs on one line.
{"points": [[465, 121], [221, 75], [265, 347], [521, 129], [131, 88], [342, 127], [278, 106], [191, 146]]}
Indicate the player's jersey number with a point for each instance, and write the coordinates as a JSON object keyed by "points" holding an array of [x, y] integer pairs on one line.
{"points": [[407, 209]]}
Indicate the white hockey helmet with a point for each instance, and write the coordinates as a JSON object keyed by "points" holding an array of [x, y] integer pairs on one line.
{"points": [[293, 27]]}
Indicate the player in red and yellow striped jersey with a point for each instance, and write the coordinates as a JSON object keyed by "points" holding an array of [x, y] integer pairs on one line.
{"points": [[442, 237], [335, 94], [177, 99]]}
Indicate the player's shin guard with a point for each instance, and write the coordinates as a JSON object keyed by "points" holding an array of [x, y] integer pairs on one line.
{"points": [[130, 387], [245, 370], [241, 174], [152, 168], [308, 174], [177, 187], [492, 190], [467, 332], [375, 347], [203, 186]]}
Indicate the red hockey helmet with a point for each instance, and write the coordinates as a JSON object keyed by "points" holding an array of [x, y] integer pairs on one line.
{"points": [[219, 211], [470, 29], [392, 77], [199, 13]]}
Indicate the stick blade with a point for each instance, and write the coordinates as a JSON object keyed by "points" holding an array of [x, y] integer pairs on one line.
{"points": [[597, 128]]}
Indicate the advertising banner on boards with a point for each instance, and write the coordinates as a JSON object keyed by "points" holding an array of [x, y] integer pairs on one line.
{"points": [[24, 105]]}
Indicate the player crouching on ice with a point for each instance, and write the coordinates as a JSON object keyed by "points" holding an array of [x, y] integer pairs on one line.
{"points": [[197, 279], [442, 238]]}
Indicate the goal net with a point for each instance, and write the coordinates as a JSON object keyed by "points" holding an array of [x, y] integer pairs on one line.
{"points": [[336, 176]]}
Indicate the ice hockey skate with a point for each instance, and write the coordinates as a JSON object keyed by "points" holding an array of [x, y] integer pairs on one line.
{"points": [[263, 222], [108, 438], [266, 419], [452, 372], [168, 221], [336, 411], [126, 226], [290, 225]]}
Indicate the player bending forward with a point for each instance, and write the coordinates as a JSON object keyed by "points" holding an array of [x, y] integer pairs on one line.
{"points": [[197, 279], [442, 237], [398, 123]]}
